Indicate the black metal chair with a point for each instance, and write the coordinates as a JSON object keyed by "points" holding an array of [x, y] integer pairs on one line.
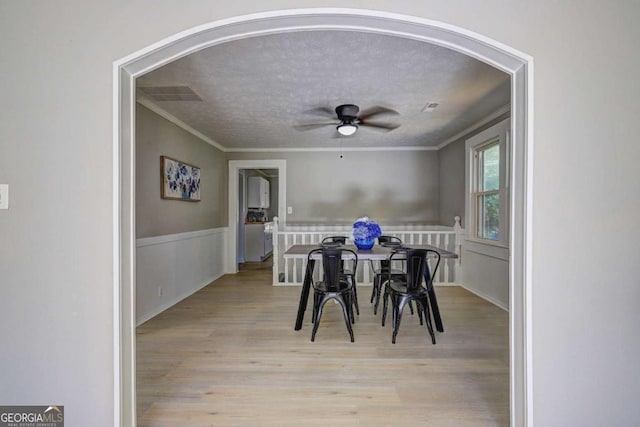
{"points": [[342, 240], [332, 286], [412, 289], [383, 269], [348, 273]]}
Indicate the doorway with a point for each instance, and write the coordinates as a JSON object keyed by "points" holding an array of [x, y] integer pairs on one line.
{"points": [[518, 65], [254, 214], [235, 216]]}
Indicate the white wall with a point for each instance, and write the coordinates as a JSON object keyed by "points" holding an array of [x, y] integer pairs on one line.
{"points": [[56, 149]]}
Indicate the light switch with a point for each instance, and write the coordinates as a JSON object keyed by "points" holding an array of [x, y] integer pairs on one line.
{"points": [[4, 196], [289, 210]]}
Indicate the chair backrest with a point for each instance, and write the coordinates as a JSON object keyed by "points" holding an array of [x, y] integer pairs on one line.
{"points": [[334, 239], [389, 239], [385, 265], [416, 263], [417, 267], [332, 264]]}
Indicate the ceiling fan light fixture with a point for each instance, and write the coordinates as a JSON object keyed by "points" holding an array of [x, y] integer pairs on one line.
{"points": [[347, 129]]}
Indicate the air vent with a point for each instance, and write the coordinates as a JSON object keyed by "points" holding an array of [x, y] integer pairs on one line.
{"points": [[430, 107], [170, 93]]}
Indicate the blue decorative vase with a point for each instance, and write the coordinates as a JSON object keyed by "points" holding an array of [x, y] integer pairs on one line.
{"points": [[364, 244]]}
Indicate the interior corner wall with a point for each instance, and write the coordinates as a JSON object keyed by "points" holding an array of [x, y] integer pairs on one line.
{"points": [[155, 137], [451, 160], [451, 181], [399, 187]]}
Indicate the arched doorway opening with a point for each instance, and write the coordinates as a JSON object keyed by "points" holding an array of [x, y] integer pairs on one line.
{"points": [[518, 65]]}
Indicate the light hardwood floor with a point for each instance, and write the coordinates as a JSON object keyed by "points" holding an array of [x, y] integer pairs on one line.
{"points": [[228, 356]]}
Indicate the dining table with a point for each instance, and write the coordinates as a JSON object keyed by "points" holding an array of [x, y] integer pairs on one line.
{"points": [[376, 253]]}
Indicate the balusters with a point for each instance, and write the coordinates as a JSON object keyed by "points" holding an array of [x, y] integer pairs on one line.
{"points": [[448, 238]]}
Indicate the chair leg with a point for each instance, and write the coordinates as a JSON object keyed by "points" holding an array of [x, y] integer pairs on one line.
{"points": [[394, 312], [385, 304], [347, 312], [381, 284], [314, 312], [349, 301], [318, 317], [374, 288], [348, 315], [418, 310], [427, 317], [397, 305], [355, 295]]}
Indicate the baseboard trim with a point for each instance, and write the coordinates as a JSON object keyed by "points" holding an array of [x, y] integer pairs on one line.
{"points": [[487, 298], [168, 304]]}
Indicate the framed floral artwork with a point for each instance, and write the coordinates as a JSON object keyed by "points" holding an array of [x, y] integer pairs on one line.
{"points": [[180, 181]]}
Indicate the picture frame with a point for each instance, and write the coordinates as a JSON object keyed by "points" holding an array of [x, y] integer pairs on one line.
{"points": [[179, 180]]}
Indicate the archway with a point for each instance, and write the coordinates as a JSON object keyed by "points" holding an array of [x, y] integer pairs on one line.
{"points": [[518, 65]]}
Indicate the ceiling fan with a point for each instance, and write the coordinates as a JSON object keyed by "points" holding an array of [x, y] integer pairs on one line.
{"points": [[349, 120]]}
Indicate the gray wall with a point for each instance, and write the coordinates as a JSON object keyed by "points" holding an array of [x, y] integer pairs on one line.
{"points": [[57, 110], [451, 180], [451, 160], [155, 137], [391, 187]]}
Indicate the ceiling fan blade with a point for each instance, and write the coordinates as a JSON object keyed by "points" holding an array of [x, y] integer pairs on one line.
{"points": [[376, 111], [322, 111], [311, 126], [381, 126]]}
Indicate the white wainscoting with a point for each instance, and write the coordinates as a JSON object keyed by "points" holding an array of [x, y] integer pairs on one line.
{"points": [[486, 272], [170, 268]]}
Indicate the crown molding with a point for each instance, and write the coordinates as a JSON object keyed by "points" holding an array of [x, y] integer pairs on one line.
{"points": [[505, 109], [140, 99], [331, 149]]}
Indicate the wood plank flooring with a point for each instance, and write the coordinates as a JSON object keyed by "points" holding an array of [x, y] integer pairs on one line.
{"points": [[228, 356]]}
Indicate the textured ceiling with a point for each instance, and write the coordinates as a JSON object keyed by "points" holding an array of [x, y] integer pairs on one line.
{"points": [[255, 90]]}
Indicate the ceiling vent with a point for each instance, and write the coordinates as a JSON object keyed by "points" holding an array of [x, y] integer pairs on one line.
{"points": [[170, 93], [430, 107]]}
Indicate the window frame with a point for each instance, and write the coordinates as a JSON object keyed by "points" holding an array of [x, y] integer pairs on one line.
{"points": [[496, 134]]}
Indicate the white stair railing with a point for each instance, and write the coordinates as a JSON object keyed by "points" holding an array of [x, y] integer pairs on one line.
{"points": [[290, 271]]}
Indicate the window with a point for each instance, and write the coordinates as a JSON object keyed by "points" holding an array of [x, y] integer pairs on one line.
{"points": [[487, 196], [487, 191]]}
